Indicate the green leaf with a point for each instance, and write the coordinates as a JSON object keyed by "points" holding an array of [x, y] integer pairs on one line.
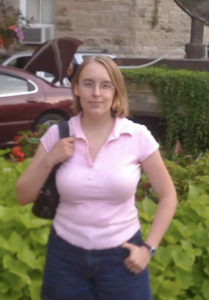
{"points": [[7, 214], [185, 278], [198, 298], [187, 246], [183, 260], [163, 256], [7, 261], [15, 282], [41, 236], [205, 288], [35, 290], [29, 258], [206, 268], [35, 141], [169, 289], [194, 193], [30, 223], [14, 243], [200, 237], [4, 287], [148, 207], [16, 267], [5, 151], [182, 229]]}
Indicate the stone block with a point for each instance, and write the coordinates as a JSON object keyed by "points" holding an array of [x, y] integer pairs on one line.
{"points": [[91, 41], [108, 20], [64, 25], [121, 8], [127, 24], [122, 40], [90, 21], [62, 11], [95, 6], [141, 12]]}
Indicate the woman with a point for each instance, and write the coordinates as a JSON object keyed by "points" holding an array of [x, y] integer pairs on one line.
{"points": [[95, 248], [71, 71]]}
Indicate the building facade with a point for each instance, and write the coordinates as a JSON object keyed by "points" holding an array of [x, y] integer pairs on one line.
{"points": [[120, 26]]}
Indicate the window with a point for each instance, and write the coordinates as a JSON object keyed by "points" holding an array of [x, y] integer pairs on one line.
{"points": [[13, 85], [19, 62], [43, 11], [3, 57]]}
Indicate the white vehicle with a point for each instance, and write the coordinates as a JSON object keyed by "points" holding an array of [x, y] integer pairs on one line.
{"points": [[19, 60]]}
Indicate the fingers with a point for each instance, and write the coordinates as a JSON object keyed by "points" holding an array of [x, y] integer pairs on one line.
{"points": [[138, 258], [133, 266], [69, 140], [68, 143], [129, 246]]}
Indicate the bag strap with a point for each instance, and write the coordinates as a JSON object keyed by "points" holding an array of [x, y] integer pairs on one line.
{"points": [[64, 130]]}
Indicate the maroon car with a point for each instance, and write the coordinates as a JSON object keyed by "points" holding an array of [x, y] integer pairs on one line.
{"points": [[27, 101]]}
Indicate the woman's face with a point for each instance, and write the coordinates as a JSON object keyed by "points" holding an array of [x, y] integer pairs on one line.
{"points": [[95, 89], [70, 70]]}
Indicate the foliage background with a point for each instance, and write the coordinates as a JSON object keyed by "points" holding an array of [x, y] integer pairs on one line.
{"points": [[179, 271], [184, 98]]}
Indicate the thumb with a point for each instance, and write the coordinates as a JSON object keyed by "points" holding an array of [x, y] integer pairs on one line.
{"points": [[128, 246]]}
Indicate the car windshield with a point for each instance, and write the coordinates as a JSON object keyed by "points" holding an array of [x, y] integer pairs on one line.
{"points": [[3, 57]]}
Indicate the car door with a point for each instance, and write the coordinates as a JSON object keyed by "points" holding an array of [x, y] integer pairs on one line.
{"points": [[19, 100]]}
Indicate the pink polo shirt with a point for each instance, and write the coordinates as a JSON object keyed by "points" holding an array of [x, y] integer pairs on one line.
{"points": [[97, 198]]}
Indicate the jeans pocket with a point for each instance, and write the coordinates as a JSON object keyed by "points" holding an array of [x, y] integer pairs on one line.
{"points": [[136, 239]]}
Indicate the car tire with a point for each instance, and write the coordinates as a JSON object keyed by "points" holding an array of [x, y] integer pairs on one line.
{"points": [[48, 119]]}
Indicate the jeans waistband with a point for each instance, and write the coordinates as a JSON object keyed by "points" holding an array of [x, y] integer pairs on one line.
{"points": [[135, 239]]}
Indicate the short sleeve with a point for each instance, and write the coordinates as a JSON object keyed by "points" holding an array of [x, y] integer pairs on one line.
{"points": [[50, 138], [148, 144]]}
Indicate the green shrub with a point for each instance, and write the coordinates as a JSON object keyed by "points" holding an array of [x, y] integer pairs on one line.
{"points": [[184, 98], [23, 240], [180, 269], [184, 170]]}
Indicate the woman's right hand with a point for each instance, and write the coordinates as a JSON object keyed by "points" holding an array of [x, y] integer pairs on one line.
{"points": [[61, 151]]}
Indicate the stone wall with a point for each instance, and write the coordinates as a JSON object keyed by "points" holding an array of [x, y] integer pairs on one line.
{"points": [[14, 3], [125, 27]]}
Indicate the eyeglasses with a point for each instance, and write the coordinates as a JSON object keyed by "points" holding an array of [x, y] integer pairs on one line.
{"points": [[90, 86]]}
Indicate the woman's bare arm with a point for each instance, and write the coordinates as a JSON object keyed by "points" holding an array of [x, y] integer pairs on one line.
{"points": [[33, 178], [162, 183]]}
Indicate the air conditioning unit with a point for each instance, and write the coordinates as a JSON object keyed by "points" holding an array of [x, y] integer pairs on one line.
{"points": [[38, 34]]}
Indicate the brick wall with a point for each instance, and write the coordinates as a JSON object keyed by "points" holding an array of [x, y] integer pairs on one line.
{"points": [[125, 27]]}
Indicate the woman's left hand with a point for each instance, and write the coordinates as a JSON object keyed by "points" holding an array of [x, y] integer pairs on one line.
{"points": [[138, 259]]}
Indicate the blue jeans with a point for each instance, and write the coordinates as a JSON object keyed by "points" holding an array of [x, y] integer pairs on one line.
{"points": [[73, 273]]}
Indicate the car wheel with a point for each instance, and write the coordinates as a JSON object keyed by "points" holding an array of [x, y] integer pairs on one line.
{"points": [[48, 120]]}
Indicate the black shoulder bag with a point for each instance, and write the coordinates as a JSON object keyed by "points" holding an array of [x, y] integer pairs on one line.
{"points": [[48, 199]]}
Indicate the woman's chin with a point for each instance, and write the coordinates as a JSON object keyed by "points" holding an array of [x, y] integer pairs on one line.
{"points": [[96, 112]]}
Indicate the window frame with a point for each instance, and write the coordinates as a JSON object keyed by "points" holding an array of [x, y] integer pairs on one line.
{"points": [[19, 93], [23, 8]]}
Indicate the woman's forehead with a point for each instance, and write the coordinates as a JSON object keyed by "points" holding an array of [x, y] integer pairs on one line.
{"points": [[95, 70]]}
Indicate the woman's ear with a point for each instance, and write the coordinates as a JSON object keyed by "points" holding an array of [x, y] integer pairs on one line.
{"points": [[76, 90]]}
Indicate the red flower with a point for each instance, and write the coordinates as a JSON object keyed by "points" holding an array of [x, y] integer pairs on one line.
{"points": [[12, 27], [21, 154]]}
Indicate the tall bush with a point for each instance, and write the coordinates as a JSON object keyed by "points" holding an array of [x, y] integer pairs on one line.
{"points": [[184, 98]]}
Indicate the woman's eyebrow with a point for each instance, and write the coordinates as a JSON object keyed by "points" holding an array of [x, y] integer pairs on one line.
{"points": [[103, 81]]}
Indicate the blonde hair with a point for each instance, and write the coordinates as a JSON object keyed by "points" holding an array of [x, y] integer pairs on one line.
{"points": [[120, 103]]}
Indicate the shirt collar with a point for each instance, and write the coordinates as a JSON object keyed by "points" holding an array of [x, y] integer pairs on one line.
{"points": [[121, 126]]}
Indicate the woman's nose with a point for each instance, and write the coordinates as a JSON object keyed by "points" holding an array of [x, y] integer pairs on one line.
{"points": [[96, 90]]}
